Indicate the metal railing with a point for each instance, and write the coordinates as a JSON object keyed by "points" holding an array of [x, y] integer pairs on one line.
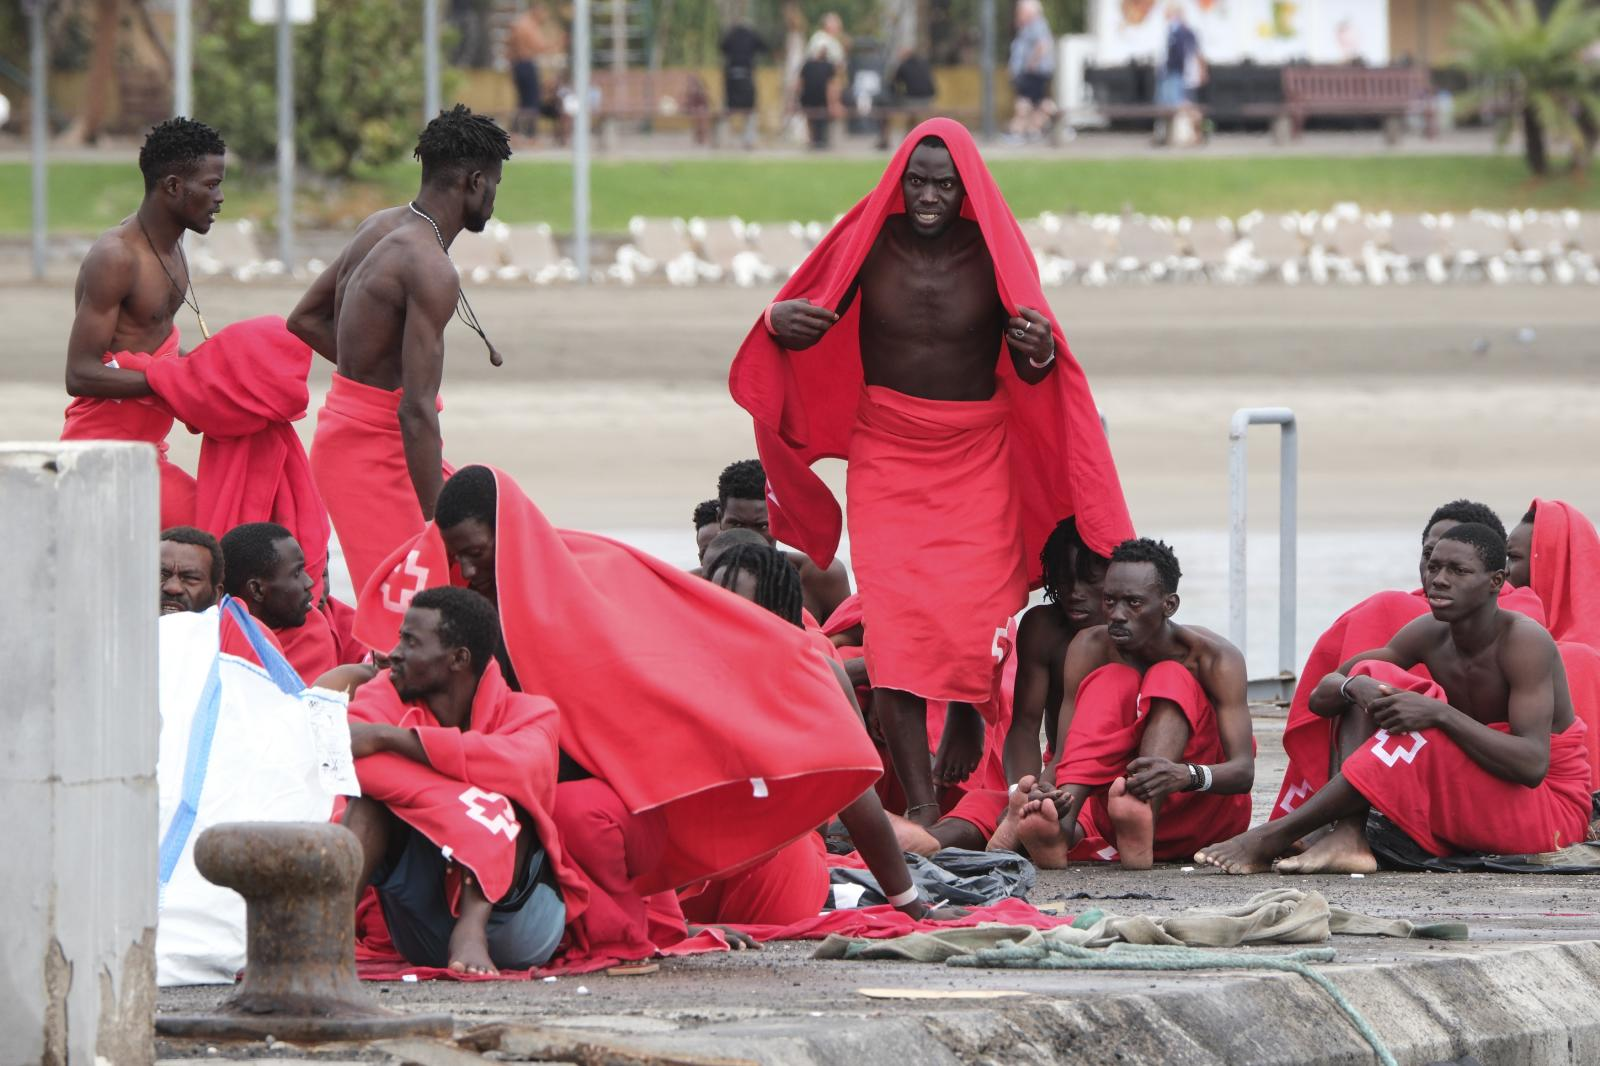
{"points": [[1281, 686]]}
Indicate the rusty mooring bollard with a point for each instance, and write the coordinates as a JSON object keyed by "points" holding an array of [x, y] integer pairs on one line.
{"points": [[298, 880]]}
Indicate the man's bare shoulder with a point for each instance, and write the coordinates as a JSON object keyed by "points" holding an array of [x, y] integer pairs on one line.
{"points": [[111, 252], [1214, 649], [1092, 647], [1521, 635], [1042, 628]]}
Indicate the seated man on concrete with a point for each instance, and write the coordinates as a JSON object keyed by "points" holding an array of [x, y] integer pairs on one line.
{"points": [[1486, 757], [742, 504], [458, 775], [792, 884], [266, 571], [1074, 577], [1307, 738], [1157, 756], [706, 527], [191, 570]]}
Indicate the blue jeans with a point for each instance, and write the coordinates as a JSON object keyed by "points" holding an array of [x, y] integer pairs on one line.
{"points": [[523, 931], [1171, 92]]}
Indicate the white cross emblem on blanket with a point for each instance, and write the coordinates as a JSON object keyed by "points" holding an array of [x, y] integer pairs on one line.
{"points": [[1382, 737], [492, 811], [399, 598]]}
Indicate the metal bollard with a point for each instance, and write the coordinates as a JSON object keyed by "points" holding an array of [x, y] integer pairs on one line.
{"points": [[1278, 688], [299, 884]]}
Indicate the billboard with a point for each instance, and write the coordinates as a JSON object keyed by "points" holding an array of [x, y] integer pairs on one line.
{"points": [[1232, 31]]}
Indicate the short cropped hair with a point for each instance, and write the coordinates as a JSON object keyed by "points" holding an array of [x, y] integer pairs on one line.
{"points": [[200, 539], [466, 620], [777, 583], [458, 142], [705, 513], [177, 146], [1533, 512], [470, 493], [250, 551], [1155, 552], [1465, 511], [1490, 545], [744, 480]]}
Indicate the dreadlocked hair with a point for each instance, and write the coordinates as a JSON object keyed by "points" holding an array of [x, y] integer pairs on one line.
{"points": [[1061, 560], [705, 513], [177, 146], [459, 141], [777, 583]]}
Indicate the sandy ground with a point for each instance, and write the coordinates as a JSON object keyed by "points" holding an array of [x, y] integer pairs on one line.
{"points": [[613, 412]]}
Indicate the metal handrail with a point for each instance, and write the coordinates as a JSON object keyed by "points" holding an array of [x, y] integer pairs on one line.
{"points": [[1280, 687]]}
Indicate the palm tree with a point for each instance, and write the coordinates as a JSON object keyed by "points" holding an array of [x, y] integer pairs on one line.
{"points": [[1538, 69]]}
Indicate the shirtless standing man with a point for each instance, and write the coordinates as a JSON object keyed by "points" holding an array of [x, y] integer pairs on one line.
{"points": [[378, 457], [939, 524], [129, 289], [1486, 757]]}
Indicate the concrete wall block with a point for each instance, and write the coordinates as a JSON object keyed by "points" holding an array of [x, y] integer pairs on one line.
{"points": [[77, 760]]}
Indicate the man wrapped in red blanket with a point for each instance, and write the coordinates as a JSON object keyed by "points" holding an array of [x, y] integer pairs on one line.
{"points": [[458, 781], [1485, 755], [1308, 737], [266, 570], [1156, 757], [885, 349], [641, 657], [1555, 553]]}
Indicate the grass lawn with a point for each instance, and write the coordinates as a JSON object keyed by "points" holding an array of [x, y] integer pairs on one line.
{"points": [[86, 197]]}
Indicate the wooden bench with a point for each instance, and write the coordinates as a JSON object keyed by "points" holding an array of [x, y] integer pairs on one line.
{"points": [[642, 96], [1389, 94]]}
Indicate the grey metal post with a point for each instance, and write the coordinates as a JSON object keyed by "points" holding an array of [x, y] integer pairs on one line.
{"points": [[39, 133], [986, 66], [183, 58], [77, 777], [285, 138], [580, 139], [430, 60], [1282, 685]]}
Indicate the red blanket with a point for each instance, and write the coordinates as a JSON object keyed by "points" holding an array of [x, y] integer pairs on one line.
{"points": [[804, 403], [1307, 737], [681, 696], [788, 886], [1425, 784], [462, 800], [1107, 725], [1565, 571], [242, 389], [1582, 664], [310, 648], [144, 419], [844, 616], [358, 458]]}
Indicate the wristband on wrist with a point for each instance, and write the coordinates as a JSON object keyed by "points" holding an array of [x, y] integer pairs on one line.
{"points": [[1343, 693], [1194, 777], [1205, 778], [766, 317], [900, 899], [1048, 359]]}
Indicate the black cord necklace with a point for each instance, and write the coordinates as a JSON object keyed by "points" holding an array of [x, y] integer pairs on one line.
{"points": [[189, 299], [464, 309]]}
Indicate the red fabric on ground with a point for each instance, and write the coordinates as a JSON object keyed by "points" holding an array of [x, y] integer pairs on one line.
{"points": [[242, 390], [1111, 712], [1565, 571], [462, 799], [1425, 784], [882, 922], [144, 419], [1308, 737], [786, 887], [1051, 456], [682, 696], [358, 458]]}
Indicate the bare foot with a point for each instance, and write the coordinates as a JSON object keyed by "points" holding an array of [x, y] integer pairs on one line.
{"points": [[911, 836], [960, 746], [1135, 824], [1004, 837], [469, 951], [1248, 853], [1342, 851], [1040, 833]]}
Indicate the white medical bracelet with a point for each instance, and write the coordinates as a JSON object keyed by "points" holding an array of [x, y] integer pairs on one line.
{"points": [[1205, 779], [900, 899], [1047, 362]]}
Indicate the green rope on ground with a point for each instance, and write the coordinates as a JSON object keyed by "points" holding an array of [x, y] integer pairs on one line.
{"points": [[1049, 955]]}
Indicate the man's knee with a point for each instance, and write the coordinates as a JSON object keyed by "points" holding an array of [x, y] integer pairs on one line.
{"points": [[1166, 724]]}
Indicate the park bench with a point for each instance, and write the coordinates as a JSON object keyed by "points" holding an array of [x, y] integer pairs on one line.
{"points": [[1389, 94], [641, 96]]}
